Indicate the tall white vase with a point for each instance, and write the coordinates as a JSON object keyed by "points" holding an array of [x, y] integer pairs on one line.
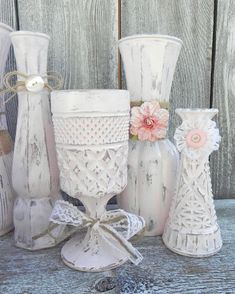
{"points": [[7, 196], [149, 65], [192, 228], [35, 173]]}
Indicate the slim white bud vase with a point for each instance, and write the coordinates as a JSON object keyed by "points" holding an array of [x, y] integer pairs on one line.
{"points": [[192, 227], [35, 173], [7, 195], [149, 65]]}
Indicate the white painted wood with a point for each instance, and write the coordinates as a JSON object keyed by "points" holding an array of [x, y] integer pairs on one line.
{"points": [[91, 132], [149, 65], [35, 173], [192, 227], [223, 161], [7, 195]]}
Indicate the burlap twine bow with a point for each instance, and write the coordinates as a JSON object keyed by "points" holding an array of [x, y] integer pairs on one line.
{"points": [[114, 225], [33, 83]]}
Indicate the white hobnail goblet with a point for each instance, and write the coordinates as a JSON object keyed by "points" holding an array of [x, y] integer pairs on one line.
{"points": [[91, 132]]}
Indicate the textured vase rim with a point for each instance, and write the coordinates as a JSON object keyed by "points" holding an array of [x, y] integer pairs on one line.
{"points": [[7, 27], [152, 36], [74, 91], [94, 100], [196, 110], [29, 33]]}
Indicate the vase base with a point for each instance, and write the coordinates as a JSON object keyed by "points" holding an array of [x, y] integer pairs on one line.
{"points": [[79, 255], [193, 245], [32, 227], [7, 230]]}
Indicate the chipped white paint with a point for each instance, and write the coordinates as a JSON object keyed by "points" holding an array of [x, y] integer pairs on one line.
{"points": [[7, 196], [91, 132], [35, 173], [192, 227], [149, 64]]}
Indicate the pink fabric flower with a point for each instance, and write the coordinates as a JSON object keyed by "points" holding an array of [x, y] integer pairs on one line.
{"points": [[196, 138], [149, 121]]}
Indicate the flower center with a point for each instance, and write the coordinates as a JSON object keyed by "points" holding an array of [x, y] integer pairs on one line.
{"points": [[149, 122], [196, 138]]}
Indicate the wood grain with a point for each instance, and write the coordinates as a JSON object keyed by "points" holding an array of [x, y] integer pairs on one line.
{"points": [[161, 271], [192, 22], [8, 16], [223, 161], [83, 33]]}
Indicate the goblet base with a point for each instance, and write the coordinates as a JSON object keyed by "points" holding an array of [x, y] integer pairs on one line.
{"points": [[78, 254]]}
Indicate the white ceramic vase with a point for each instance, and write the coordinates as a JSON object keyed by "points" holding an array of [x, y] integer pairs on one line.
{"points": [[149, 65], [91, 132], [192, 228], [7, 196], [35, 174]]}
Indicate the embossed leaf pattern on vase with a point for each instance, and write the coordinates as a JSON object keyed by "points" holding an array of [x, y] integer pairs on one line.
{"points": [[95, 172], [192, 227]]}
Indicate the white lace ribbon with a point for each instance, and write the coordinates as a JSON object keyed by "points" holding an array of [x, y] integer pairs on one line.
{"points": [[116, 225]]}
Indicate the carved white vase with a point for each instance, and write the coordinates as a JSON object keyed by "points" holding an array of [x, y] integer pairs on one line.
{"points": [[149, 65], [7, 195], [91, 132], [192, 227], [35, 174]]}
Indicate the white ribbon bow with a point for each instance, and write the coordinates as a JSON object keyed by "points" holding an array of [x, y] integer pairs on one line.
{"points": [[116, 225]]}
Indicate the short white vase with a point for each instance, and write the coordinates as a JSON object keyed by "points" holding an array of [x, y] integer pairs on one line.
{"points": [[192, 227], [35, 173], [91, 132], [149, 65], [7, 195]]}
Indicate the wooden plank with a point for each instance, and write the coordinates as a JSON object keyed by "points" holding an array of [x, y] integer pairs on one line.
{"points": [[83, 45], [223, 161], [8, 16], [192, 22], [161, 271]]}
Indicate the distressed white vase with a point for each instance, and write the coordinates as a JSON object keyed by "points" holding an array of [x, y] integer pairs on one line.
{"points": [[192, 227], [149, 65], [7, 196], [35, 174], [91, 132]]}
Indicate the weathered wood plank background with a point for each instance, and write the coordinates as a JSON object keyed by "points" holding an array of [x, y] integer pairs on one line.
{"points": [[83, 49]]}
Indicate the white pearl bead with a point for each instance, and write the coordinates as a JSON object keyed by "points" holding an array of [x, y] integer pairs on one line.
{"points": [[34, 84]]}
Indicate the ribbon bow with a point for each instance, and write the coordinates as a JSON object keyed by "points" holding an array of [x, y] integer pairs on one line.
{"points": [[31, 83], [114, 225]]}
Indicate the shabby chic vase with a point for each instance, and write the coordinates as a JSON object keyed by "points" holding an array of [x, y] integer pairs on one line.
{"points": [[149, 65], [192, 227], [91, 133], [35, 174], [7, 195]]}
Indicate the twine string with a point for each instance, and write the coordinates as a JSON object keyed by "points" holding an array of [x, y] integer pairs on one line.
{"points": [[20, 85]]}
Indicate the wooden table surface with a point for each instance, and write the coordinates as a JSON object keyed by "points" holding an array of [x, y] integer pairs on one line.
{"points": [[162, 271]]}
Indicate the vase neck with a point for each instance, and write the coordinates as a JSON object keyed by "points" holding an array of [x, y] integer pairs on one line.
{"points": [[30, 53], [196, 114], [149, 66]]}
